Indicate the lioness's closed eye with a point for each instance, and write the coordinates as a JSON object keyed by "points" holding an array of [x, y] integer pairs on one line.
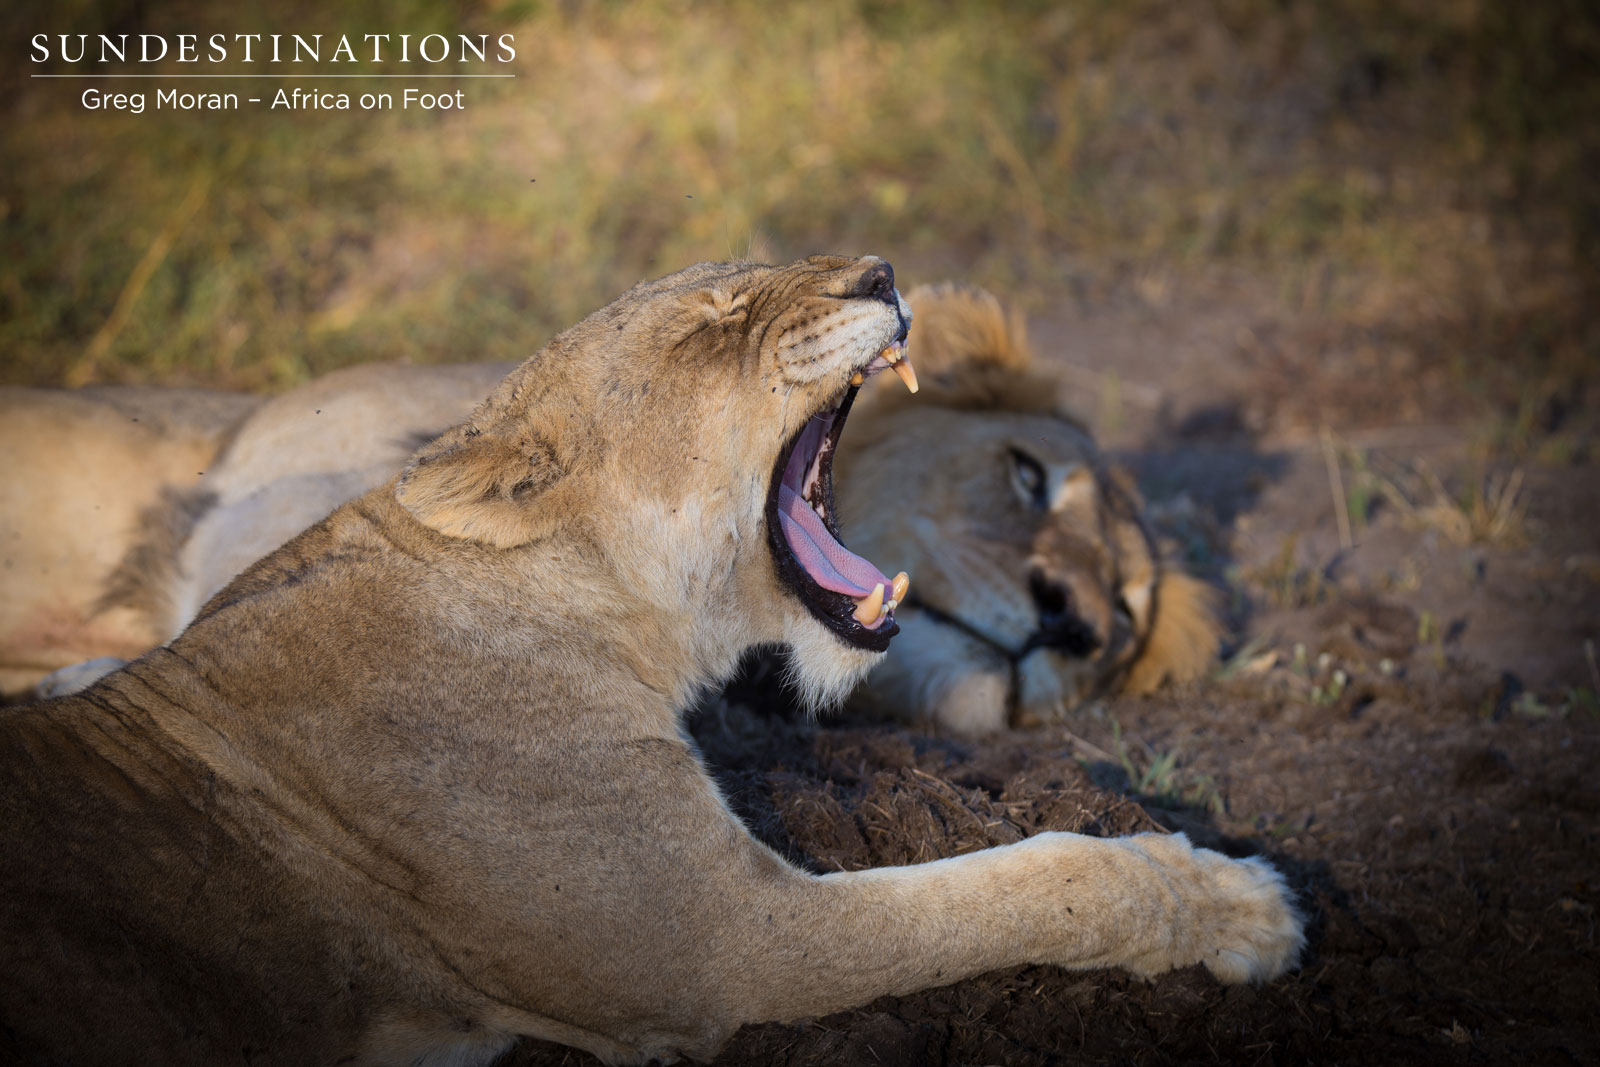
{"points": [[415, 783]]}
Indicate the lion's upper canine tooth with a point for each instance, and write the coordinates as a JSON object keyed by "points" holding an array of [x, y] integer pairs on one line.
{"points": [[856, 378], [902, 367], [869, 607], [902, 582]]}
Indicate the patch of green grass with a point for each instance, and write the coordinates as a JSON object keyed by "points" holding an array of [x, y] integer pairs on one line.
{"points": [[1253, 657], [1288, 584], [1159, 777], [1584, 701], [1325, 693], [1362, 494], [1035, 147], [1575, 700], [1489, 510]]}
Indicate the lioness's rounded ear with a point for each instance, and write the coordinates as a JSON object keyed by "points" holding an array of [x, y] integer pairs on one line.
{"points": [[481, 485]]}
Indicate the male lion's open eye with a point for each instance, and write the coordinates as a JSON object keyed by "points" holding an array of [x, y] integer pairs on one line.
{"points": [[1027, 476]]}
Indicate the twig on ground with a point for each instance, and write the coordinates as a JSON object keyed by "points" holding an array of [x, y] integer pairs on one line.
{"points": [[1336, 487], [1089, 748]]}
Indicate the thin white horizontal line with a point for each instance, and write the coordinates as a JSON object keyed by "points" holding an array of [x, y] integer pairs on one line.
{"points": [[272, 75]]}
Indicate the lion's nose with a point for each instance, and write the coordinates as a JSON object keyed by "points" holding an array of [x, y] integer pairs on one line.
{"points": [[877, 283], [1060, 627]]}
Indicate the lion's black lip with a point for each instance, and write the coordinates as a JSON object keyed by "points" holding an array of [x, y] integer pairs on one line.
{"points": [[1077, 640], [951, 619], [834, 610]]}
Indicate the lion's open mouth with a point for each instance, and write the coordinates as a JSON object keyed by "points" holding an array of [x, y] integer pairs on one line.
{"points": [[847, 592]]}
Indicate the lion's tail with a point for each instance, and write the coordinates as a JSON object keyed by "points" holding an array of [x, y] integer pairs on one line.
{"points": [[1184, 636]]}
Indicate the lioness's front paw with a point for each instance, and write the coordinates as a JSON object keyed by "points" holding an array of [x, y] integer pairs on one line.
{"points": [[1236, 916]]}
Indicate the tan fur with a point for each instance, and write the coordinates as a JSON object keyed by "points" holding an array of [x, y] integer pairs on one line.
{"points": [[85, 472], [416, 783], [1182, 645], [962, 328], [302, 455], [928, 481]]}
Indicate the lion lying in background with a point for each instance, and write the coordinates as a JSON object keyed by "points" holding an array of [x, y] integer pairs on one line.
{"points": [[1038, 583], [417, 782], [80, 470]]}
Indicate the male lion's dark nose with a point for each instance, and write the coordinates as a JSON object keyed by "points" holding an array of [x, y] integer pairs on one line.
{"points": [[877, 283], [1060, 627]]}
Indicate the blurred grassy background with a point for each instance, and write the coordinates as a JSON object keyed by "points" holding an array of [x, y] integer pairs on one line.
{"points": [[1417, 168]]}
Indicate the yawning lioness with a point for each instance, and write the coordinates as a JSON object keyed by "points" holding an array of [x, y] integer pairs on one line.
{"points": [[416, 783]]}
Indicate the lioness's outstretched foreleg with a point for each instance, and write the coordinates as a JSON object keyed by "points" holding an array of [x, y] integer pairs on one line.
{"points": [[727, 933], [1148, 904]]}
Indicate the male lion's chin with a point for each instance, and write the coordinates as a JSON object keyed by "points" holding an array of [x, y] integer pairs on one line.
{"points": [[822, 668]]}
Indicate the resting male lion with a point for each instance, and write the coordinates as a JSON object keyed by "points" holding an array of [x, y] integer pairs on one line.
{"points": [[1038, 583], [416, 782]]}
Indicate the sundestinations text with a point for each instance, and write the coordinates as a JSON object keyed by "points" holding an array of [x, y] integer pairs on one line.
{"points": [[274, 48]]}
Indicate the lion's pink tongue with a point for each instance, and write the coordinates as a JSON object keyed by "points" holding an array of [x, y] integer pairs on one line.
{"points": [[829, 563]]}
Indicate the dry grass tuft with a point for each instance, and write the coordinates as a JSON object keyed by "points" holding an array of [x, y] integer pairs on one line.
{"points": [[1359, 152], [1491, 511]]}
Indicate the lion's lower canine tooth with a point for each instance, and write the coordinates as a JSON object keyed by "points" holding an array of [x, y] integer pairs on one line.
{"points": [[856, 378], [902, 582], [907, 375], [869, 607]]}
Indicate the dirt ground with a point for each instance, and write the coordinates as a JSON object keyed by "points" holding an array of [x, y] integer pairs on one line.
{"points": [[1405, 723]]}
